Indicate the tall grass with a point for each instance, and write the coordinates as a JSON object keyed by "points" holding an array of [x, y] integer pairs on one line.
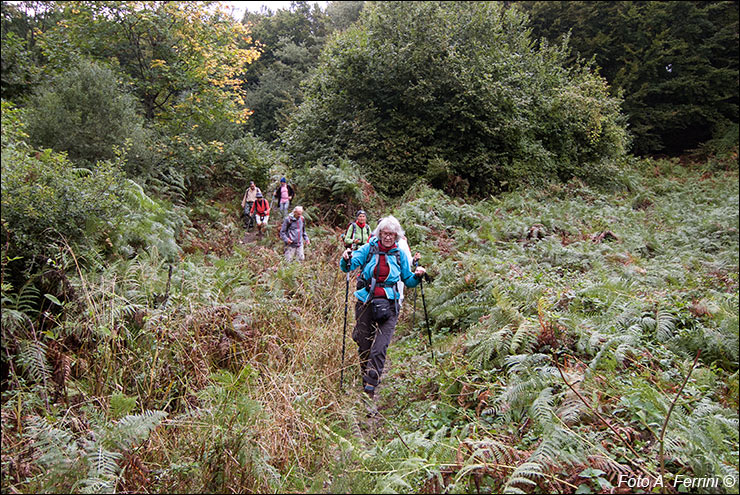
{"points": [[220, 371]]}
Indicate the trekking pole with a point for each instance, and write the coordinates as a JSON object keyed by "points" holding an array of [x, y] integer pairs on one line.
{"points": [[344, 332], [413, 315], [426, 316]]}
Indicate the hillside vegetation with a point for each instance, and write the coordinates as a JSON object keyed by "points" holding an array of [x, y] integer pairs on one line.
{"points": [[224, 375], [578, 328]]}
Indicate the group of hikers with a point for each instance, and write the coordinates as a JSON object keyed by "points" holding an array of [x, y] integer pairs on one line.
{"points": [[257, 208], [382, 258]]}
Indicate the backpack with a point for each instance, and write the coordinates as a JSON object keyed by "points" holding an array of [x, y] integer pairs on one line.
{"points": [[260, 203], [344, 233]]}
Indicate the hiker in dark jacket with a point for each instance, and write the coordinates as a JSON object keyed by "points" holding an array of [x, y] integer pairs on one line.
{"points": [[293, 234], [383, 266], [284, 194]]}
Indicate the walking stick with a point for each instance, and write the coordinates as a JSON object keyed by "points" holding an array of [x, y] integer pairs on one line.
{"points": [[413, 315], [344, 332], [429, 332]]}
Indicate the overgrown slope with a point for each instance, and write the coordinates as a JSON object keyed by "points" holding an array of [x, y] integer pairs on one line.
{"points": [[223, 374]]}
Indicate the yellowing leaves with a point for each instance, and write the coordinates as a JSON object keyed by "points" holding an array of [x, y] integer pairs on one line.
{"points": [[243, 116], [177, 48]]}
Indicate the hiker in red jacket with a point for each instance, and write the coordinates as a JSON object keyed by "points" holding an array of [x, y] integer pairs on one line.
{"points": [[261, 212]]}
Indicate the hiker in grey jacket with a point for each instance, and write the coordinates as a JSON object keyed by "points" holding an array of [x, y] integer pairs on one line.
{"points": [[293, 234]]}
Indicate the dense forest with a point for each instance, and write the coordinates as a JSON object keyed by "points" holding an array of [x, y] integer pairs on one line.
{"points": [[568, 172]]}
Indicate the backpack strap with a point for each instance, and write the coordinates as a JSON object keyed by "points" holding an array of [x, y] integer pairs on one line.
{"points": [[375, 251]]}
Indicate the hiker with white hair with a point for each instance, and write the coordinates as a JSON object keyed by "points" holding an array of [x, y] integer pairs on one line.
{"points": [[293, 234], [384, 267]]}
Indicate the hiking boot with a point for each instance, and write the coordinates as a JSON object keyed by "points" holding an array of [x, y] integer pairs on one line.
{"points": [[370, 390]]}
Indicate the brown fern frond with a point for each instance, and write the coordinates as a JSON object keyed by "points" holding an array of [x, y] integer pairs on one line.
{"points": [[610, 466]]}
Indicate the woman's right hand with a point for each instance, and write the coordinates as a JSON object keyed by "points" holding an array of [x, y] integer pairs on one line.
{"points": [[347, 254]]}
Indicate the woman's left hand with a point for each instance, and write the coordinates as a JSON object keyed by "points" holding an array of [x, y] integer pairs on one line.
{"points": [[420, 271]]}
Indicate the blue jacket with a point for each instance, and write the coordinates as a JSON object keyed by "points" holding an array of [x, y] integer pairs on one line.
{"points": [[362, 257]]}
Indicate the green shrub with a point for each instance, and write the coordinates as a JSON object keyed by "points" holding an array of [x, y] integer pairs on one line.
{"points": [[47, 203], [338, 189], [456, 93], [188, 166], [85, 113]]}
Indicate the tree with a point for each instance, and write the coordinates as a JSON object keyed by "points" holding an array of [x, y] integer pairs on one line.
{"points": [[45, 197], [84, 113], [185, 62], [277, 93], [675, 62], [343, 14], [455, 93], [20, 57], [184, 59], [290, 40]]}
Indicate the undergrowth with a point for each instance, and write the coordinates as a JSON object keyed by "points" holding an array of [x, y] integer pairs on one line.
{"points": [[564, 321]]}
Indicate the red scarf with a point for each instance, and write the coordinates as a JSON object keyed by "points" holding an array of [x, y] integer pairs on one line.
{"points": [[381, 271]]}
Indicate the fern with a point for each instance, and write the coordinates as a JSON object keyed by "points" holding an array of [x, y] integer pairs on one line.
{"points": [[20, 309], [622, 344], [664, 326], [571, 408], [541, 408], [523, 475], [32, 358], [706, 439], [411, 459], [132, 429], [103, 470], [523, 339], [58, 450], [63, 455]]}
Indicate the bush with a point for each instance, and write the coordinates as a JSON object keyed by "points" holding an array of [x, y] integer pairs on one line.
{"points": [[456, 93], [85, 113], [47, 202], [339, 189], [188, 166]]}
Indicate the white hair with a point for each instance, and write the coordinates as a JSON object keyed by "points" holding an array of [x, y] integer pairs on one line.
{"points": [[389, 224], [299, 207]]}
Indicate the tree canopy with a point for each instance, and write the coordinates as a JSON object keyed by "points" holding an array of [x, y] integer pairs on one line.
{"points": [[676, 63], [456, 93]]}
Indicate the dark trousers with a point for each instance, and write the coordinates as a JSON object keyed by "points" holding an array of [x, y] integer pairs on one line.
{"points": [[372, 341], [247, 216]]}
